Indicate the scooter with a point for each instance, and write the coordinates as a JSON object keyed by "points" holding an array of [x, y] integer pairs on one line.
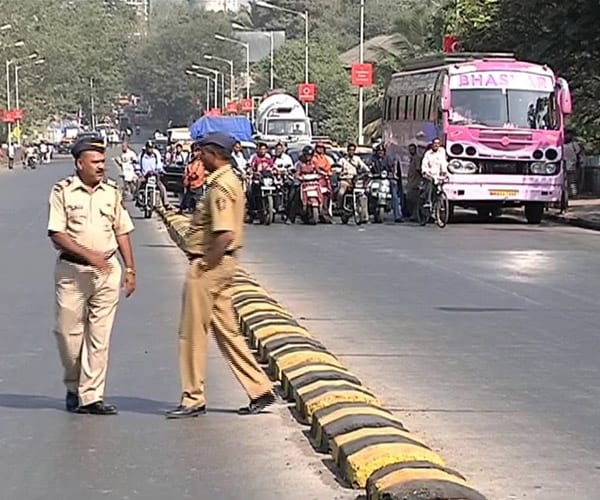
{"points": [[311, 197], [380, 197], [32, 161], [355, 202]]}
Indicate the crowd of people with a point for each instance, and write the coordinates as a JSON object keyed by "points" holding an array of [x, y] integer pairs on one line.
{"points": [[336, 177]]}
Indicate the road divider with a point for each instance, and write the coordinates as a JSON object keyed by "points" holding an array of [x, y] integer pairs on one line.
{"points": [[370, 446]]}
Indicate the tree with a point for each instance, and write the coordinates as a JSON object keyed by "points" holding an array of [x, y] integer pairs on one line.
{"points": [[563, 35], [176, 41], [335, 109], [78, 41]]}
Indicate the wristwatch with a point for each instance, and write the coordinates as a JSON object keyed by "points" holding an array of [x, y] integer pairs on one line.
{"points": [[130, 270]]}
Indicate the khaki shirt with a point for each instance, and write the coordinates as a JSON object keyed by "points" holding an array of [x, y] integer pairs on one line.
{"points": [[221, 210], [93, 219]]}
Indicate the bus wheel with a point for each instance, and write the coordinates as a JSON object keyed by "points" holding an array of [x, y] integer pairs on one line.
{"points": [[534, 212]]}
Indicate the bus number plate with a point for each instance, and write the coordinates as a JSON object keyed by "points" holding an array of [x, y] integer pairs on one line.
{"points": [[504, 193]]}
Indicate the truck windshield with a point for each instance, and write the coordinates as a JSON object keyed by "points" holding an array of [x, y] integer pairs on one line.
{"points": [[532, 109], [287, 127]]}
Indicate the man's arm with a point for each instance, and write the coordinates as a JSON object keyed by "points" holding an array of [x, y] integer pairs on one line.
{"points": [[221, 205]]}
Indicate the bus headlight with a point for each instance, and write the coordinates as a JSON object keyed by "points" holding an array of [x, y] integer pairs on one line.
{"points": [[457, 166], [543, 168]]}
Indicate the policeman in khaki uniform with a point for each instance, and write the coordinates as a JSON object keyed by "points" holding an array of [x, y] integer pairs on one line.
{"points": [[213, 242], [87, 224]]}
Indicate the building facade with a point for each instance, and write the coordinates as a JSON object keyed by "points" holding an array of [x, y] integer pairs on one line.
{"points": [[218, 5]]}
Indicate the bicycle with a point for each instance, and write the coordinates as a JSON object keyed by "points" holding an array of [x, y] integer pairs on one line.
{"points": [[438, 209]]}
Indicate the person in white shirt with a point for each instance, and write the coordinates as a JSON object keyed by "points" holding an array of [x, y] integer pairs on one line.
{"points": [[434, 166], [128, 161], [44, 152], [239, 160], [282, 160]]}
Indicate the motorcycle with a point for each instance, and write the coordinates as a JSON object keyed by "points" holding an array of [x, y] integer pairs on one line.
{"points": [[380, 197], [355, 202], [262, 197], [311, 198], [32, 161], [149, 196]]}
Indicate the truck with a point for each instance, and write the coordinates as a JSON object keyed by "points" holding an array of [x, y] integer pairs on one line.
{"points": [[281, 117]]}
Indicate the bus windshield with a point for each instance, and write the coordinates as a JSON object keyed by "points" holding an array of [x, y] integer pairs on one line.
{"points": [[507, 108]]}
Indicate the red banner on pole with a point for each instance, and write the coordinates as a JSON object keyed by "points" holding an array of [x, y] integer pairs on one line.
{"points": [[362, 75], [247, 105], [18, 114], [9, 117], [451, 44], [307, 92], [232, 107]]}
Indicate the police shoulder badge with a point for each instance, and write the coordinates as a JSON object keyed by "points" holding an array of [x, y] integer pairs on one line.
{"points": [[221, 203]]}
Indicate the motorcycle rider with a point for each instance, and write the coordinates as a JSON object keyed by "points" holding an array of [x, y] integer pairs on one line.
{"points": [[350, 169], [434, 167], [193, 180], [283, 162], [380, 162], [304, 165], [150, 163], [30, 154], [321, 159], [259, 163]]}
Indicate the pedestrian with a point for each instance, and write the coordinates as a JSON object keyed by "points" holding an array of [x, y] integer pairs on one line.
{"points": [[87, 223], [11, 156], [193, 181], [214, 240], [413, 181], [573, 155]]}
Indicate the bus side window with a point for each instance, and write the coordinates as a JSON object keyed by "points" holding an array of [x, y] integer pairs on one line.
{"points": [[431, 110], [397, 109], [427, 107], [420, 108], [410, 107]]}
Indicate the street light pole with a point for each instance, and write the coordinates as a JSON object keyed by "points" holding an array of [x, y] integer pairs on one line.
{"points": [[92, 104], [271, 64], [9, 139], [246, 45], [361, 93], [231, 75]]}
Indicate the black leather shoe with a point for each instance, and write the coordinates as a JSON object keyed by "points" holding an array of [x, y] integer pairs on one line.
{"points": [[186, 412], [98, 408], [257, 405], [72, 401]]}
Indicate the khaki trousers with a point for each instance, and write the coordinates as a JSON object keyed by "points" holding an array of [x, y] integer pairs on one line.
{"points": [[207, 303], [86, 304]]}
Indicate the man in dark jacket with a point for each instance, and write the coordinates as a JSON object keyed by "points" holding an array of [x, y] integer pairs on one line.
{"points": [[382, 162]]}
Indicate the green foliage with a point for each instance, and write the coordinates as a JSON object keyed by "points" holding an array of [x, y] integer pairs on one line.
{"points": [[177, 40], [563, 35], [335, 109], [79, 41]]}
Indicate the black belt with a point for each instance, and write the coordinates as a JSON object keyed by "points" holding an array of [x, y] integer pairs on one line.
{"points": [[194, 256], [75, 259]]}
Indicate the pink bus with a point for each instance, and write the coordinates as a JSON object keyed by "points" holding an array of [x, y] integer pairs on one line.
{"points": [[502, 123]]}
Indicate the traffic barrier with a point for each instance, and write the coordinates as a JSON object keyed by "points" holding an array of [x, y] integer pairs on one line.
{"points": [[371, 447], [419, 481]]}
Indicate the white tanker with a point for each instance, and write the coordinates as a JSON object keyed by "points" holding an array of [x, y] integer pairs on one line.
{"points": [[280, 117]]}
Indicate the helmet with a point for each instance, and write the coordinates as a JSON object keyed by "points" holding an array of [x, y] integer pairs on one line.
{"points": [[149, 144], [378, 147], [308, 150]]}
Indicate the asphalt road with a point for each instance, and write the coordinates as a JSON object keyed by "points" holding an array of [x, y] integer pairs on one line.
{"points": [[484, 338], [48, 454]]}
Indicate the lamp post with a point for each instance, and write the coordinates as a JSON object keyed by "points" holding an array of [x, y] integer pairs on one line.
{"points": [[246, 45], [34, 62], [20, 43], [214, 72], [231, 75], [303, 15], [270, 34], [361, 93], [205, 77]]}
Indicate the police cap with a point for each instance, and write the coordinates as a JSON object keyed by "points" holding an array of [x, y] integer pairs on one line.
{"points": [[219, 139], [88, 144]]}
